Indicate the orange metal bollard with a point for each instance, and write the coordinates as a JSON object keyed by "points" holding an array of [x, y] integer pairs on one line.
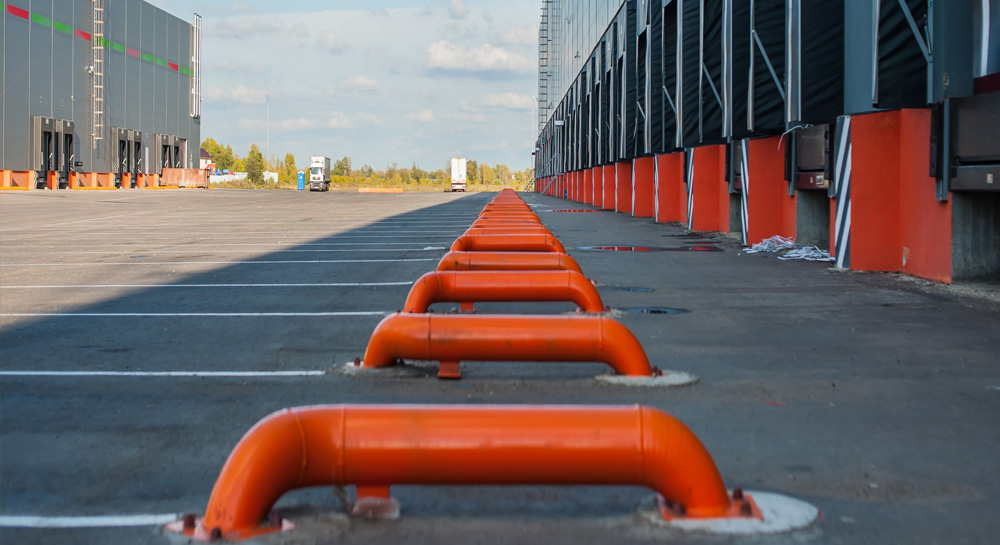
{"points": [[376, 446], [509, 217], [451, 338], [508, 243], [479, 286], [505, 230], [507, 261]]}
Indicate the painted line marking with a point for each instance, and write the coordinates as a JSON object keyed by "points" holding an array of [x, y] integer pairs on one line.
{"points": [[27, 521], [235, 374], [200, 246], [329, 285], [277, 251], [283, 262], [188, 314]]}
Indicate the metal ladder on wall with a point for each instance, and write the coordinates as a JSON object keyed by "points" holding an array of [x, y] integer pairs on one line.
{"points": [[97, 99], [543, 65]]}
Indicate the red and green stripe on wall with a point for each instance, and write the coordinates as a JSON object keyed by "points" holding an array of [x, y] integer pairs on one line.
{"points": [[84, 35]]}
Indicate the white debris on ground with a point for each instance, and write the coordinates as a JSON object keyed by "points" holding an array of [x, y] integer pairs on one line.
{"points": [[791, 250]]}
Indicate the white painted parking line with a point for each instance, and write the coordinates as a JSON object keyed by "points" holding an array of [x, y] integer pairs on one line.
{"points": [[117, 286], [187, 314], [261, 262], [202, 250], [201, 246], [26, 521], [175, 374]]}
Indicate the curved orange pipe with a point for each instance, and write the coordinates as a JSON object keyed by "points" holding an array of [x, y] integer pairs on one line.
{"points": [[508, 230], [454, 338], [507, 243], [507, 261], [375, 446], [502, 221], [509, 217], [477, 286]]}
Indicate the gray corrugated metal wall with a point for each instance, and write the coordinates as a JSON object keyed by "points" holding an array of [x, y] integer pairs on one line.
{"points": [[45, 73]]}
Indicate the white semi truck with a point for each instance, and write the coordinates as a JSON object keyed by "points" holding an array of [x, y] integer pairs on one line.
{"points": [[319, 174], [458, 179]]}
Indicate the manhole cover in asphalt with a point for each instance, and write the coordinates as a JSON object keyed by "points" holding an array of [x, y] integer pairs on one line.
{"points": [[697, 248], [655, 310]]}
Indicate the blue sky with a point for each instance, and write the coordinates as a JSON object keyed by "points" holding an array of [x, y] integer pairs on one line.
{"points": [[380, 81]]}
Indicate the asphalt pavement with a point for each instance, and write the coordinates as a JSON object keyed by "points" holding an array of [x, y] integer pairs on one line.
{"points": [[143, 332]]}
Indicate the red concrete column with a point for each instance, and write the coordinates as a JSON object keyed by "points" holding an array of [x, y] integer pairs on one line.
{"points": [[671, 196], [610, 178], [710, 207], [644, 187], [598, 188], [896, 222], [588, 187], [770, 210], [623, 198]]}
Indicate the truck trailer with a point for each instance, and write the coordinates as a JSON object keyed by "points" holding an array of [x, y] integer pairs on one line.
{"points": [[458, 179], [319, 174]]}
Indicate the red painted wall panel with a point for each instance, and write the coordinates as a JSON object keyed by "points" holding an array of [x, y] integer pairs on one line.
{"points": [[644, 189], [711, 199], [623, 202], [769, 208], [609, 179], [671, 197]]}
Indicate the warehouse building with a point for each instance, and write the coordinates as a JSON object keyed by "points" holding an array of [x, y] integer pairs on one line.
{"points": [[97, 92], [868, 128]]}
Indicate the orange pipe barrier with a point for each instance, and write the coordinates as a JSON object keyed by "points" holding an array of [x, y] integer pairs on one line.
{"points": [[451, 338], [502, 230], [376, 446], [506, 221], [509, 217], [507, 261], [508, 243], [478, 286]]}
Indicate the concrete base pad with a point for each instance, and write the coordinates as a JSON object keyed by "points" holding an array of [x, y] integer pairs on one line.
{"points": [[781, 514], [666, 380]]}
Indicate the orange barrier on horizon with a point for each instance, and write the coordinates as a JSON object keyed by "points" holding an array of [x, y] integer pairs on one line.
{"points": [[451, 338], [507, 261], [468, 287], [376, 446]]}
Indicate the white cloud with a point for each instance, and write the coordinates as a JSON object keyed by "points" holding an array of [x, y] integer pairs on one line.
{"points": [[510, 101], [486, 58], [362, 83], [239, 94], [330, 42], [339, 120], [242, 7], [365, 118], [299, 30], [457, 9], [423, 116], [520, 36], [246, 28]]}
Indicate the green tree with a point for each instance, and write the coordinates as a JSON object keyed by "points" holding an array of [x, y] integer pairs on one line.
{"points": [[472, 171], [255, 166], [503, 175], [222, 156], [367, 171], [342, 167], [417, 173]]}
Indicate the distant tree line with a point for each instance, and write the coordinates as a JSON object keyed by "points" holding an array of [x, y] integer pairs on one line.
{"points": [[480, 176]]}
